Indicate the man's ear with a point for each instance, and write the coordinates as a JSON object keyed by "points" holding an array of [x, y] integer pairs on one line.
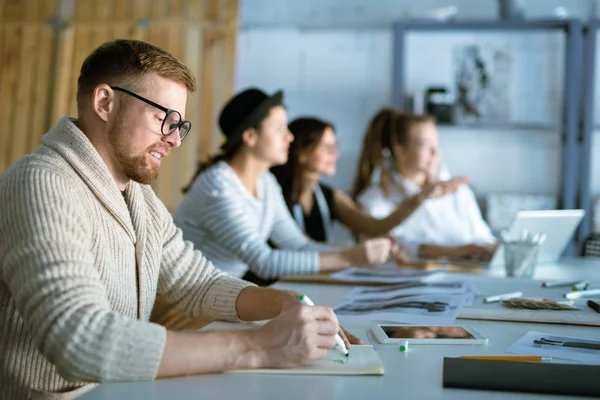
{"points": [[103, 101], [250, 136]]}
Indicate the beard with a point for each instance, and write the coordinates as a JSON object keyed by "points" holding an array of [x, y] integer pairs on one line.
{"points": [[135, 167]]}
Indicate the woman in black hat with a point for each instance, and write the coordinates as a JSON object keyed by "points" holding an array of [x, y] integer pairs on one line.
{"points": [[234, 206]]}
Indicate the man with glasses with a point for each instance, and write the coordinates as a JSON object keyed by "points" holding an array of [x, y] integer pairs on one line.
{"points": [[86, 246]]}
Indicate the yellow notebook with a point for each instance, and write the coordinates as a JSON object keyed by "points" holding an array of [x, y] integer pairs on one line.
{"points": [[362, 360]]}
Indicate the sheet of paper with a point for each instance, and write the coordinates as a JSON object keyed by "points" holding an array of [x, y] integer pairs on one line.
{"points": [[408, 289], [413, 288], [435, 309], [384, 275], [362, 360], [586, 350], [469, 298]]}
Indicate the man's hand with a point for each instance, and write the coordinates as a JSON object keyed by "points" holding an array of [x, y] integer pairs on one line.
{"points": [[349, 339], [298, 336], [291, 300]]}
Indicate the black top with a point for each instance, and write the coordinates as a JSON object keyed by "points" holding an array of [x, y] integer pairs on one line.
{"points": [[313, 222]]}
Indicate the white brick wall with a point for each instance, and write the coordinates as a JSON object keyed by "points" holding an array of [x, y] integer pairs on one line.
{"points": [[345, 76], [286, 13], [333, 58]]}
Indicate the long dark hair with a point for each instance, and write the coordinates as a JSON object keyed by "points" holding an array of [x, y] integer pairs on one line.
{"points": [[224, 155], [387, 126], [307, 132]]}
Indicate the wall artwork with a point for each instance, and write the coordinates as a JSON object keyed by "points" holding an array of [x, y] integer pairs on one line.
{"points": [[483, 83]]}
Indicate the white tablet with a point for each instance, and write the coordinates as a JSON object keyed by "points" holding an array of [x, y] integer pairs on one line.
{"points": [[430, 334]]}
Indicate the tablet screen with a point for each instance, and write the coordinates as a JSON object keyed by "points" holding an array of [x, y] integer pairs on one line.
{"points": [[426, 332]]}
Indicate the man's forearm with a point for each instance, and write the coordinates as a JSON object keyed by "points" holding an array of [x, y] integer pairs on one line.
{"points": [[257, 304], [193, 353]]}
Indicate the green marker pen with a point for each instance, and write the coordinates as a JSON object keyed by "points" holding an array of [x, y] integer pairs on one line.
{"points": [[340, 346]]}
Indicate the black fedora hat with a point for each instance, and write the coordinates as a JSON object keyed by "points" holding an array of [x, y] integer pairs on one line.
{"points": [[243, 111]]}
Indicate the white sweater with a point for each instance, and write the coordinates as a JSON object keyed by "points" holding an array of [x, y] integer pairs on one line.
{"points": [[232, 227], [452, 220], [80, 269]]}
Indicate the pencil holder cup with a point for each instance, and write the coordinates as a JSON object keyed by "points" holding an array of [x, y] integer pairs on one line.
{"points": [[520, 258]]}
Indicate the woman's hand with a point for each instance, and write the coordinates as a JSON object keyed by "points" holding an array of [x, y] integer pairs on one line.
{"points": [[475, 251], [444, 188], [436, 188], [399, 254], [371, 252]]}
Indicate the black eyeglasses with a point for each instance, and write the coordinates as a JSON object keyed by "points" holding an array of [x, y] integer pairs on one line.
{"points": [[172, 120]]}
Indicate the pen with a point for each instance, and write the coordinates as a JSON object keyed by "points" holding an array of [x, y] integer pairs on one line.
{"points": [[584, 293], [574, 344], [510, 358], [558, 283], [583, 285], [339, 342], [594, 305], [505, 296]]}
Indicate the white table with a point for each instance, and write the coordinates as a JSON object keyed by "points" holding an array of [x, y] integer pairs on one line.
{"points": [[416, 374]]}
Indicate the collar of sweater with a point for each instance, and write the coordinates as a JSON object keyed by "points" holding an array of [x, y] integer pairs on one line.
{"points": [[73, 145]]}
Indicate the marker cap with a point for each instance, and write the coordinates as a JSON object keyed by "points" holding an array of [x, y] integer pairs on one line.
{"points": [[403, 346]]}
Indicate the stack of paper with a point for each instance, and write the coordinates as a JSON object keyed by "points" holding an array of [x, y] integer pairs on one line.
{"points": [[385, 275], [411, 302]]}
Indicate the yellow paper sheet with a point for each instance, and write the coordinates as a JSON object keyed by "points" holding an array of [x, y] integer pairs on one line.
{"points": [[362, 360]]}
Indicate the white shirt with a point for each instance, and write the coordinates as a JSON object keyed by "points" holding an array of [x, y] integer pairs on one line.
{"points": [[231, 227], [452, 220]]}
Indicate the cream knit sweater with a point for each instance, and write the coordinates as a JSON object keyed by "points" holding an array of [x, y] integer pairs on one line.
{"points": [[80, 267]]}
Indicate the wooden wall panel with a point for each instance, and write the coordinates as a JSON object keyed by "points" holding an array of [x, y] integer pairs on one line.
{"points": [[9, 59], [21, 121], [26, 62], [41, 52], [42, 106], [63, 80]]}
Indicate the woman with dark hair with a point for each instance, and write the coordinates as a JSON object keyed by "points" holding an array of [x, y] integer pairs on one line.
{"points": [[234, 206], [315, 205]]}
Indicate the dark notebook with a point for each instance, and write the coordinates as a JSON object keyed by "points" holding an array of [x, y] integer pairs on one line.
{"points": [[516, 376]]}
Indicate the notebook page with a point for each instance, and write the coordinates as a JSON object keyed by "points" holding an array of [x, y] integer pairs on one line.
{"points": [[362, 360]]}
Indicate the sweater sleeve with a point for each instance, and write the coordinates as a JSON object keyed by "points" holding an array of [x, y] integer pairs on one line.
{"points": [[222, 215], [58, 292], [191, 282]]}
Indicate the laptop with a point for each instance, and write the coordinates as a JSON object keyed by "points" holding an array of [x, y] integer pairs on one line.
{"points": [[559, 226]]}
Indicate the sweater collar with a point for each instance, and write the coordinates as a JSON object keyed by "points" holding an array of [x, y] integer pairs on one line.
{"points": [[73, 145]]}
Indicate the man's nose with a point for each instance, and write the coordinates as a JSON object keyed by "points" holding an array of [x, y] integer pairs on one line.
{"points": [[174, 140]]}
